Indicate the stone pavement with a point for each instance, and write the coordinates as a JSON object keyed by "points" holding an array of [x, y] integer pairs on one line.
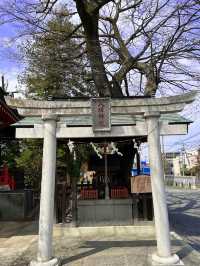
{"points": [[97, 246]]}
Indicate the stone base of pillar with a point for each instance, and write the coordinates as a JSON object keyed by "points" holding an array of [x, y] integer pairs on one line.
{"points": [[52, 262], [172, 260]]}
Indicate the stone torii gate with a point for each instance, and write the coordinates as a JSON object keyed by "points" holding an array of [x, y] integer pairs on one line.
{"points": [[52, 111]]}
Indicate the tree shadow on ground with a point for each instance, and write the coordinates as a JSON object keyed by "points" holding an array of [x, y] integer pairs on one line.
{"points": [[184, 219], [99, 246], [9, 229]]}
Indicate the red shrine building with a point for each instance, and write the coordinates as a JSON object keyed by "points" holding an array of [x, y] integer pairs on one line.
{"points": [[8, 116]]}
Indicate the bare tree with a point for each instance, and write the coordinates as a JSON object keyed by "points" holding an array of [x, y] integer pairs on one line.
{"points": [[134, 47], [155, 40]]}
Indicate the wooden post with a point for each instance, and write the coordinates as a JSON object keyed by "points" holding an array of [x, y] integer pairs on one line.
{"points": [[74, 201], [138, 162], [145, 207], [64, 199], [135, 208]]}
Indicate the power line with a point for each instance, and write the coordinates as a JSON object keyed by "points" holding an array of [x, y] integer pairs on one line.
{"points": [[184, 140]]}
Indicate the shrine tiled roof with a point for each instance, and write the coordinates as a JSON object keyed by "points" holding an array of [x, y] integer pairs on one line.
{"points": [[7, 115], [115, 120]]}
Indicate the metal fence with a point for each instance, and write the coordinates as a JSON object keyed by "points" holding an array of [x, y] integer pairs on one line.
{"points": [[191, 182]]}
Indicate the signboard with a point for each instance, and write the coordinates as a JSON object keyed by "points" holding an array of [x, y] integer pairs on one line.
{"points": [[101, 114], [141, 184]]}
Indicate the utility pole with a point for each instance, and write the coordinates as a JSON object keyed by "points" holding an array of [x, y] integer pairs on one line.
{"points": [[163, 153], [188, 160], [183, 159], [198, 163]]}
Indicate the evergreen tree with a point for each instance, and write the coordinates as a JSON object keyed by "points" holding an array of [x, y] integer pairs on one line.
{"points": [[56, 65]]}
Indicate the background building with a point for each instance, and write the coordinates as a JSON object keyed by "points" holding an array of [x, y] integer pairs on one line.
{"points": [[181, 163]]}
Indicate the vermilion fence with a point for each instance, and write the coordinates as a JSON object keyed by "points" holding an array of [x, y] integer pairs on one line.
{"points": [[116, 193], [89, 194], [119, 193]]}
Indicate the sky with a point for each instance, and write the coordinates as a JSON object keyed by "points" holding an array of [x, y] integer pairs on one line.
{"points": [[11, 67]]}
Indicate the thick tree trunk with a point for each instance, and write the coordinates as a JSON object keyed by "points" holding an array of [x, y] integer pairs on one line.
{"points": [[90, 19], [116, 90], [150, 88], [152, 81]]}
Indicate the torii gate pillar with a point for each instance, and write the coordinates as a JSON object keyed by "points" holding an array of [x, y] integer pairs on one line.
{"points": [[163, 255], [45, 255]]}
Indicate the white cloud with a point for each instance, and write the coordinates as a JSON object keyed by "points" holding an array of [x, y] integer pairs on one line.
{"points": [[6, 42]]}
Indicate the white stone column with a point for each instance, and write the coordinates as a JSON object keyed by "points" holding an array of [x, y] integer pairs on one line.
{"points": [[45, 256], [163, 255]]}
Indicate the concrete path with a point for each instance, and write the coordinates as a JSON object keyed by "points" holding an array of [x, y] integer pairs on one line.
{"points": [[103, 246], [108, 246], [184, 214]]}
